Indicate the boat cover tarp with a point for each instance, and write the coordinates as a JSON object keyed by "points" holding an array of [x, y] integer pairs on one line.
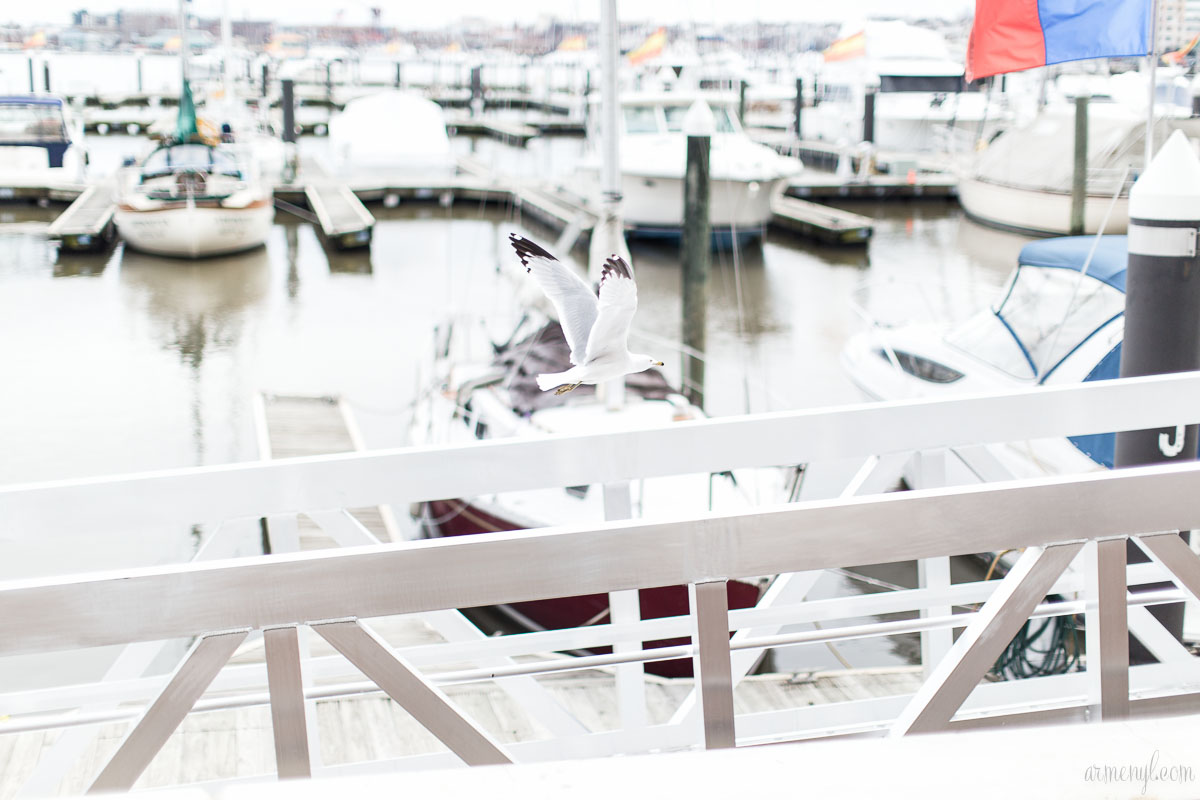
{"points": [[1070, 252], [546, 350]]}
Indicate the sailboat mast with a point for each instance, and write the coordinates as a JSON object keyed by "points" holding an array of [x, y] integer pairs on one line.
{"points": [[184, 46], [226, 50], [609, 105]]}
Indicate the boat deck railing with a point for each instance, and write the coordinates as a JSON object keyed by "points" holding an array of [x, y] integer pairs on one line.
{"points": [[1073, 531]]}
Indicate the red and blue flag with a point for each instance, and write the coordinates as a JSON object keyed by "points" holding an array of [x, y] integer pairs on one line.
{"points": [[1011, 35]]}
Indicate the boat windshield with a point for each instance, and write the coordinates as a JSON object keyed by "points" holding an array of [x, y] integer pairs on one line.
{"points": [[675, 115], [31, 122], [1045, 314], [923, 83], [189, 157]]}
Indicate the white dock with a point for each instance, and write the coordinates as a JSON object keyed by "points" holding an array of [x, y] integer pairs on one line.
{"points": [[344, 220], [290, 426], [825, 223], [87, 224], [237, 743]]}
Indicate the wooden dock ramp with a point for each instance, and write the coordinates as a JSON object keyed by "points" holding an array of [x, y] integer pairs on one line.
{"points": [[290, 426], [825, 223], [344, 220], [87, 224]]}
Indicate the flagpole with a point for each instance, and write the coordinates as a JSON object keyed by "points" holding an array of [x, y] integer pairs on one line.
{"points": [[1153, 67]]}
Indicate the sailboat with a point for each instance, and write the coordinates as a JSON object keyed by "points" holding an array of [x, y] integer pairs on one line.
{"points": [[194, 195]]}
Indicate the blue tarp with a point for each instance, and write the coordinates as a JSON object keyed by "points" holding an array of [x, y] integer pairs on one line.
{"points": [[1070, 252]]}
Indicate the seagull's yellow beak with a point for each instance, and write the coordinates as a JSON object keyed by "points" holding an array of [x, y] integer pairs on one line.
{"points": [[659, 364]]}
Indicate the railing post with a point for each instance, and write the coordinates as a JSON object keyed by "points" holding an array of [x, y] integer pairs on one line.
{"points": [[288, 718], [711, 665], [933, 573], [626, 607], [1107, 629], [969, 659]]}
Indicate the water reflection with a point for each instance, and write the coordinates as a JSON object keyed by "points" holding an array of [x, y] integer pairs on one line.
{"points": [[348, 262], [197, 306], [69, 264]]}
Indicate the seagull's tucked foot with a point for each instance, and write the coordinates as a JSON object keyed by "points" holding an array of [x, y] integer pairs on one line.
{"points": [[566, 388]]}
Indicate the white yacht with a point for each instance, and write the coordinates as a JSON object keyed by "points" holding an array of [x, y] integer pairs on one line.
{"points": [[193, 196], [1059, 320], [390, 132], [194, 199], [922, 100], [743, 177], [41, 142], [1022, 180]]}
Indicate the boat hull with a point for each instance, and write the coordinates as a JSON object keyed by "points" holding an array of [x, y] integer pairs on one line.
{"points": [[196, 231], [459, 518], [1039, 212]]}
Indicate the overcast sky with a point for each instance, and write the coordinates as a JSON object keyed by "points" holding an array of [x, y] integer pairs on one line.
{"points": [[409, 14]]}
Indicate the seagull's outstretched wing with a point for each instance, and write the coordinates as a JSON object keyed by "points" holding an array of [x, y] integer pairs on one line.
{"points": [[618, 302], [573, 299]]}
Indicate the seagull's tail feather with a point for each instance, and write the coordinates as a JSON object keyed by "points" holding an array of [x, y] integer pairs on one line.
{"points": [[550, 380]]}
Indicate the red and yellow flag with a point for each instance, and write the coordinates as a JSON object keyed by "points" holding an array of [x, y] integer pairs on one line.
{"points": [[1176, 57], [649, 48], [847, 48], [573, 43]]}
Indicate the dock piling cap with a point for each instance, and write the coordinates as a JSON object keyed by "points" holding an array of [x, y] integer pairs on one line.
{"points": [[1169, 189], [699, 120]]}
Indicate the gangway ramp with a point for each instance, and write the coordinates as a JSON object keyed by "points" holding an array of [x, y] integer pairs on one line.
{"points": [[291, 426], [344, 220], [87, 224]]}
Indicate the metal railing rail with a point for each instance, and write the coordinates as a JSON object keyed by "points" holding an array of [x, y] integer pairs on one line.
{"points": [[331, 592], [133, 504]]}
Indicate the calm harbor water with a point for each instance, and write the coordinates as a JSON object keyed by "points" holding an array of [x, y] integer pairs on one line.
{"points": [[127, 362]]}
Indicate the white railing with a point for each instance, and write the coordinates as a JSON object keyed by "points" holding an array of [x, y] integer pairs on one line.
{"points": [[332, 592]]}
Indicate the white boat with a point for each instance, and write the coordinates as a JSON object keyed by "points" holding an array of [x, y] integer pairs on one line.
{"points": [[194, 199], [922, 100], [41, 142], [1022, 180], [743, 177], [393, 133], [468, 400], [1054, 323]]}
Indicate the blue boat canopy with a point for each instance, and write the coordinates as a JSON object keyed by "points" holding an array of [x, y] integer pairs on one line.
{"points": [[30, 100], [1070, 252]]}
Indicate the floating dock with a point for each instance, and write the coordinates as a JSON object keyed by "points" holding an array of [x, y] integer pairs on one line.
{"points": [[290, 426], [507, 131], [826, 224], [236, 742], [87, 224], [344, 220]]}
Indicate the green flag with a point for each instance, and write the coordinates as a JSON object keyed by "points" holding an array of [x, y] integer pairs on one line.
{"points": [[185, 127]]}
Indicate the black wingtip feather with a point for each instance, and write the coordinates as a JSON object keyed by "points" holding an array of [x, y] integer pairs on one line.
{"points": [[526, 248], [616, 265]]}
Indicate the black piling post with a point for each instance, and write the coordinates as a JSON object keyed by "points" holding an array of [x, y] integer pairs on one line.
{"points": [[868, 129], [696, 247], [476, 90], [1079, 175], [1162, 319], [288, 102], [799, 107]]}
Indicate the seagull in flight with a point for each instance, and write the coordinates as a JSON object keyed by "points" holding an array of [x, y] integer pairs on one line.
{"points": [[596, 328]]}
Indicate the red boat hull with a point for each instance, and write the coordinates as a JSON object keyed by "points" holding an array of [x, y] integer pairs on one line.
{"points": [[456, 518]]}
